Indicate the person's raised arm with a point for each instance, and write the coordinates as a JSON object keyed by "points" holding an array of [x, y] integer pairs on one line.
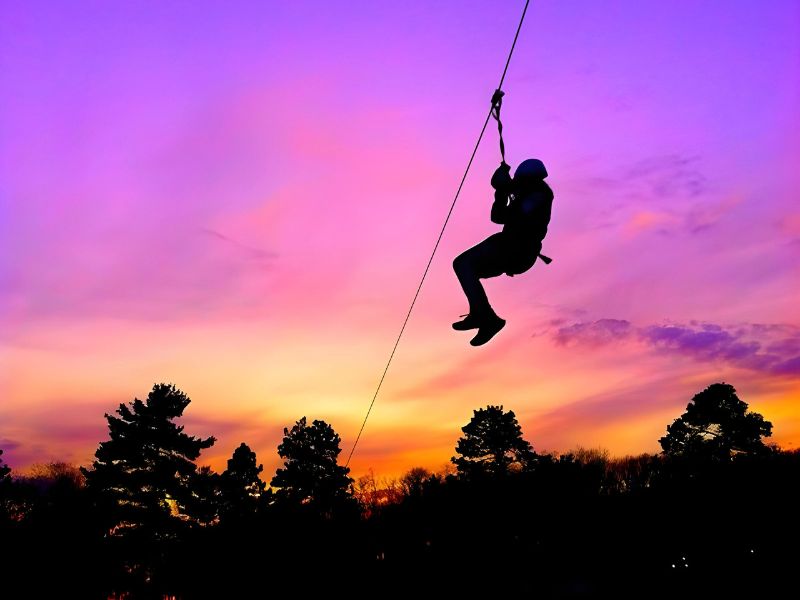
{"points": [[501, 182]]}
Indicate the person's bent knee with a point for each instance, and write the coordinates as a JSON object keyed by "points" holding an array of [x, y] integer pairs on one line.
{"points": [[460, 262]]}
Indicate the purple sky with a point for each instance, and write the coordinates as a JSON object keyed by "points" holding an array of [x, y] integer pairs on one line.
{"points": [[240, 197]]}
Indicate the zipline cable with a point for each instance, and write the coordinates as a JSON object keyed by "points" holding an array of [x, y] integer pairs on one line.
{"points": [[444, 226]]}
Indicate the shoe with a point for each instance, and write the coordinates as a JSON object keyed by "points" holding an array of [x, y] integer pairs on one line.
{"points": [[488, 330], [471, 322]]}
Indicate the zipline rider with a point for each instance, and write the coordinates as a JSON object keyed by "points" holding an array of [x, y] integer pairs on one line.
{"points": [[523, 206]]}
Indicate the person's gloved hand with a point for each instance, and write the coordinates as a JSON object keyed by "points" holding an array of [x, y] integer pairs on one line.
{"points": [[501, 180]]}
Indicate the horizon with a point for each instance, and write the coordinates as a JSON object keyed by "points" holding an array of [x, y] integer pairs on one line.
{"points": [[240, 200], [381, 479]]}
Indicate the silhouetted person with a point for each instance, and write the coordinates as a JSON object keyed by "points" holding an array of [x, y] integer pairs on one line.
{"points": [[522, 205]]}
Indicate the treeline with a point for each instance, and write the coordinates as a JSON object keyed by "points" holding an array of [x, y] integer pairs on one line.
{"points": [[713, 515]]}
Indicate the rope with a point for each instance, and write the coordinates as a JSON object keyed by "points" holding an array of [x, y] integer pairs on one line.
{"points": [[444, 226], [497, 104]]}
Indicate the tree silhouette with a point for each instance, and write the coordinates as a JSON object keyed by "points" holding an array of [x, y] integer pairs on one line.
{"points": [[144, 474], [5, 484], [241, 488], [414, 480], [716, 426], [310, 473], [492, 444], [607, 519], [205, 502], [5, 470]]}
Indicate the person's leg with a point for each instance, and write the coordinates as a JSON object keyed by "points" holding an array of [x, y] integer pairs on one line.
{"points": [[481, 261]]}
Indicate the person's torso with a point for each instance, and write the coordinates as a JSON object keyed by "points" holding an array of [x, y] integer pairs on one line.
{"points": [[527, 218]]}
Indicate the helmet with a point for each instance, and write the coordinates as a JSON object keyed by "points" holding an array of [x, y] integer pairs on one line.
{"points": [[532, 167]]}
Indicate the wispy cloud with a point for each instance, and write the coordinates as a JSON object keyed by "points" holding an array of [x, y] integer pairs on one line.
{"points": [[8, 445], [663, 176], [249, 251], [661, 193], [772, 349], [668, 175], [594, 333]]}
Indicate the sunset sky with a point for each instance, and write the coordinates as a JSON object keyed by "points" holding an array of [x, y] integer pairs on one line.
{"points": [[240, 198]]}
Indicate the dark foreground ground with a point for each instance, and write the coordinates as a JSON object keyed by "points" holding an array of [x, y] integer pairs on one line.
{"points": [[564, 531]]}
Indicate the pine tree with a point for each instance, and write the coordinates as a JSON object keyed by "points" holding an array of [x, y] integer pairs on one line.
{"points": [[5, 485], [716, 426], [4, 468], [492, 444], [143, 475], [242, 491], [310, 474]]}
